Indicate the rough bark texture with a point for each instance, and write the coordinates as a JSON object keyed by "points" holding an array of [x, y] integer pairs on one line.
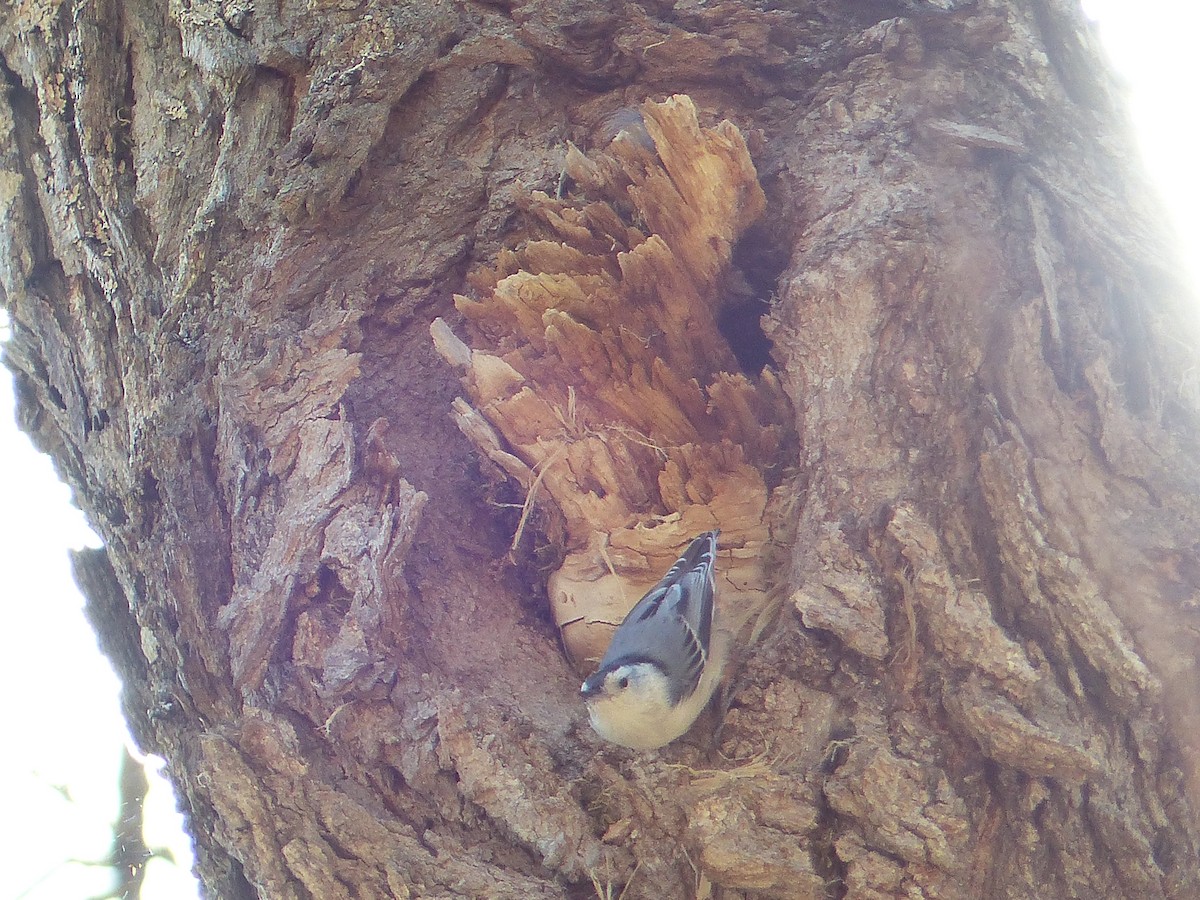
{"points": [[971, 459]]}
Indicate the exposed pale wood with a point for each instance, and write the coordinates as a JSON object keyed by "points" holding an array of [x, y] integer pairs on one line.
{"points": [[609, 377]]}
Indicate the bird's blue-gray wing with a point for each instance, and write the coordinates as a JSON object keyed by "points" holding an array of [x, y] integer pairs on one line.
{"points": [[672, 625]]}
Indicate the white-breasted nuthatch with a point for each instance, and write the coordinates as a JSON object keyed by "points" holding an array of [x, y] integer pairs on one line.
{"points": [[662, 666]]}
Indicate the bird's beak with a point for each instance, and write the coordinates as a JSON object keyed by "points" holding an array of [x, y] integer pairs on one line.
{"points": [[589, 689]]}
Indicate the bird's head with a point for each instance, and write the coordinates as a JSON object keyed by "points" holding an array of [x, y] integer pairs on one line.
{"points": [[633, 683]]}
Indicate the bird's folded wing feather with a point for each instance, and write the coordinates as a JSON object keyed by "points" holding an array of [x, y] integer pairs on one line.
{"points": [[672, 624]]}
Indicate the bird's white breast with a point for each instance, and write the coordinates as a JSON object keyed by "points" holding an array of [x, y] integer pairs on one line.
{"points": [[640, 725]]}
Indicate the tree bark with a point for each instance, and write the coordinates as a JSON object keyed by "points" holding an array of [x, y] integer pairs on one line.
{"points": [[957, 495]]}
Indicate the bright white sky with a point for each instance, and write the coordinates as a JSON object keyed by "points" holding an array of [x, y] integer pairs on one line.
{"points": [[1153, 45], [63, 721], [59, 762]]}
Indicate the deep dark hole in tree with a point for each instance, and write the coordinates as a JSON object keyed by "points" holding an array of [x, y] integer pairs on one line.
{"points": [[758, 261], [740, 323]]}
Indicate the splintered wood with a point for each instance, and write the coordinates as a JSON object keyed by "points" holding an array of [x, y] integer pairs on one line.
{"points": [[597, 377]]}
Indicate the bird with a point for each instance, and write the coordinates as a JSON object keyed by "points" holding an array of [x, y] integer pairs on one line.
{"points": [[662, 665]]}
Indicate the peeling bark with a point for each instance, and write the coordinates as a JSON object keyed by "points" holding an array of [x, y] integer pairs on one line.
{"points": [[881, 297]]}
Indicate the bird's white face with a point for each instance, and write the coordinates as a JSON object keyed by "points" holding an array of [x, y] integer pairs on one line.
{"points": [[636, 684], [630, 705]]}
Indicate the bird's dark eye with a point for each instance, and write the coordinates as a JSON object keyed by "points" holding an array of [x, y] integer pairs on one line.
{"points": [[623, 682]]}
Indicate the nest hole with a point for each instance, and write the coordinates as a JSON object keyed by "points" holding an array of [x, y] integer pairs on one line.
{"points": [[758, 261], [740, 323]]}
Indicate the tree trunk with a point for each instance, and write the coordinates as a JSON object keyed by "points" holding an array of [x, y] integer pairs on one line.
{"points": [[880, 297]]}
